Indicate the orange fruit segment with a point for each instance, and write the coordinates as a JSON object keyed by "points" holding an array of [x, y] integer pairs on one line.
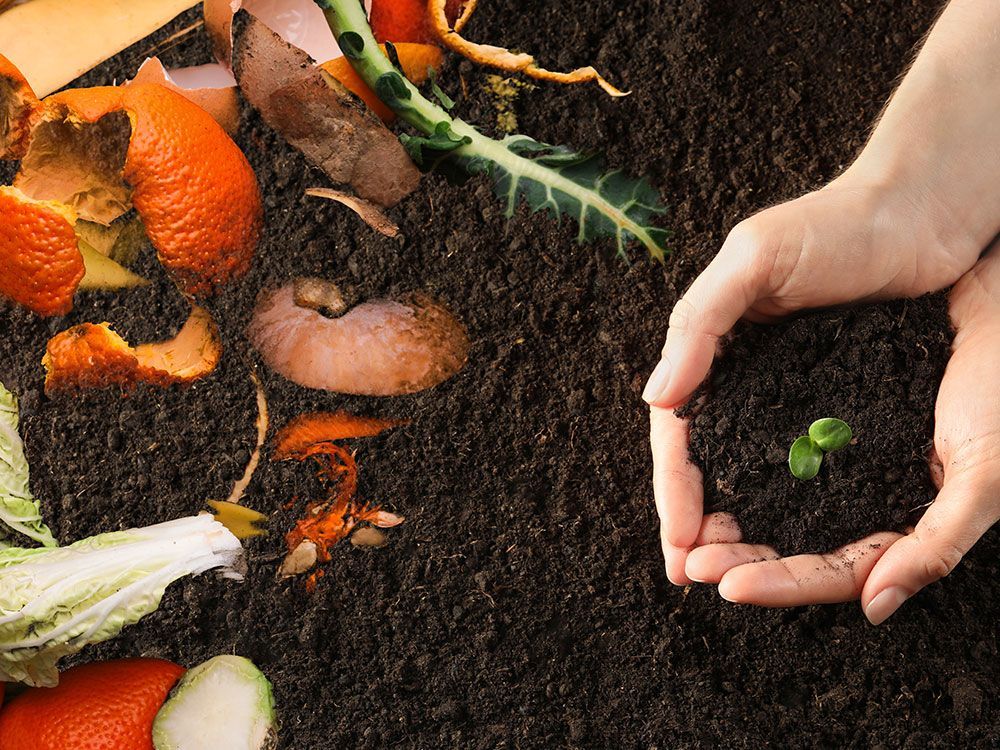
{"points": [[414, 58], [19, 109], [92, 355], [40, 264], [108, 704], [191, 185], [306, 430]]}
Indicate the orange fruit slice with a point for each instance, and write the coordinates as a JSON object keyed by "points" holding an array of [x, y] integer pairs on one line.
{"points": [[108, 704], [94, 356], [40, 263], [414, 58], [190, 184]]}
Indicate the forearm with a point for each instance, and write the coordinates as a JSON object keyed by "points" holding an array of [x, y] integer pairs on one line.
{"points": [[940, 133]]}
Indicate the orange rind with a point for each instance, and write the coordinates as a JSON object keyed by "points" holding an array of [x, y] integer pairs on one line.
{"points": [[40, 264], [415, 60], [94, 356], [93, 155], [447, 31], [308, 430]]}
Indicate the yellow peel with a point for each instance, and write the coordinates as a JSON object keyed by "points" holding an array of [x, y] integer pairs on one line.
{"points": [[54, 41], [242, 522], [504, 59], [103, 273], [262, 424]]}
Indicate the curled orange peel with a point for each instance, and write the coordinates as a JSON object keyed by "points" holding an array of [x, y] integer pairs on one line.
{"points": [[306, 431], [95, 153], [501, 58], [94, 356]]}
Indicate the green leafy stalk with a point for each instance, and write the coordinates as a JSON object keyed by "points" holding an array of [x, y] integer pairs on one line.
{"points": [[546, 177], [19, 511], [53, 602]]}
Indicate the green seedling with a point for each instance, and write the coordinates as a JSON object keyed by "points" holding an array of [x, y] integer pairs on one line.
{"points": [[805, 457]]}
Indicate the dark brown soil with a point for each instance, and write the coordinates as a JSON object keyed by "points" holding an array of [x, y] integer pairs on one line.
{"points": [[877, 368], [523, 603]]}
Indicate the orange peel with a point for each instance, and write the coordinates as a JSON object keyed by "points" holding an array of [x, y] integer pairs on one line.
{"points": [[501, 58], [308, 430], [414, 58], [40, 263], [94, 356]]}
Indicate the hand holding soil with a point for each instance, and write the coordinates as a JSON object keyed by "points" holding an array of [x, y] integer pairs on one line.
{"points": [[911, 215]]}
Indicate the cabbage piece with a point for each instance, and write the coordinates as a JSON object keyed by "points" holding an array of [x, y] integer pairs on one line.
{"points": [[53, 602], [19, 511]]}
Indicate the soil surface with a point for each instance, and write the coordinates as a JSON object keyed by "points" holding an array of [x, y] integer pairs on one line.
{"points": [[523, 603], [877, 368]]}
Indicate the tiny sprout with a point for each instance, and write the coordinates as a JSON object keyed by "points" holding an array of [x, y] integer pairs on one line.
{"points": [[825, 436], [805, 458], [830, 434]]}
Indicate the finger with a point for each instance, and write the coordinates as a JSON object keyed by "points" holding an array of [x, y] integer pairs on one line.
{"points": [[955, 521], [716, 528], [806, 579], [710, 563], [677, 483], [711, 306]]}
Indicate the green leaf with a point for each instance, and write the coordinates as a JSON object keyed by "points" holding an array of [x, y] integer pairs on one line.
{"points": [[19, 510], [352, 45], [53, 602], [432, 153], [391, 88], [446, 101], [830, 434], [805, 458], [572, 184]]}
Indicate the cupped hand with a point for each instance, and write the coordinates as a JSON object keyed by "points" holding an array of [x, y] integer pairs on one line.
{"points": [[884, 569]]}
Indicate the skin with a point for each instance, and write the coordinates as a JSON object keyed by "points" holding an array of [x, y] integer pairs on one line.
{"points": [[918, 211]]}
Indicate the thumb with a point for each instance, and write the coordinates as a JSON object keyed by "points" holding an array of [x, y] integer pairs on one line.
{"points": [[964, 510], [718, 298]]}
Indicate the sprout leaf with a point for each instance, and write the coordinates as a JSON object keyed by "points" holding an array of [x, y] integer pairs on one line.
{"points": [[805, 458], [830, 434]]}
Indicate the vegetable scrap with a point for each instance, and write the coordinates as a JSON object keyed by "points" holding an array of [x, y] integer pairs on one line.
{"points": [[56, 601], [504, 59], [241, 521], [93, 154], [20, 513], [94, 356], [329, 521], [85, 34], [225, 703], [545, 177], [306, 332]]}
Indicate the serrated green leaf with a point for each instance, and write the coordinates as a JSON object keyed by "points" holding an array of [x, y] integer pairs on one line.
{"points": [[19, 510], [573, 184]]}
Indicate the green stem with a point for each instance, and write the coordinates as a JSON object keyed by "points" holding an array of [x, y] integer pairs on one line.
{"points": [[350, 27]]}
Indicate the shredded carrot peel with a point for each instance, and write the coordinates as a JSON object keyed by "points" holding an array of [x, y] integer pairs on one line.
{"points": [[331, 520], [498, 57]]}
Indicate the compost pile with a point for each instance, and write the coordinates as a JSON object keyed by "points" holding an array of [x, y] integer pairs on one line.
{"points": [[524, 603]]}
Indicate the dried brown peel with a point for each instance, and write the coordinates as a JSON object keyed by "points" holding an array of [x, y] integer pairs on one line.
{"points": [[321, 118], [94, 356], [211, 87], [504, 59], [55, 41], [367, 211]]}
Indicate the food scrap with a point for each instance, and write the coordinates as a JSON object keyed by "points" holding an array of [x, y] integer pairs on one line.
{"points": [[331, 520]]}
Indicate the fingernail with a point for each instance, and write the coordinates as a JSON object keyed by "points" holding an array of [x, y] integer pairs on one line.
{"points": [[724, 590], [657, 382], [885, 603]]}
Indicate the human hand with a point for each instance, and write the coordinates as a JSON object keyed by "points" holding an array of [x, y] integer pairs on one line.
{"points": [[887, 568]]}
